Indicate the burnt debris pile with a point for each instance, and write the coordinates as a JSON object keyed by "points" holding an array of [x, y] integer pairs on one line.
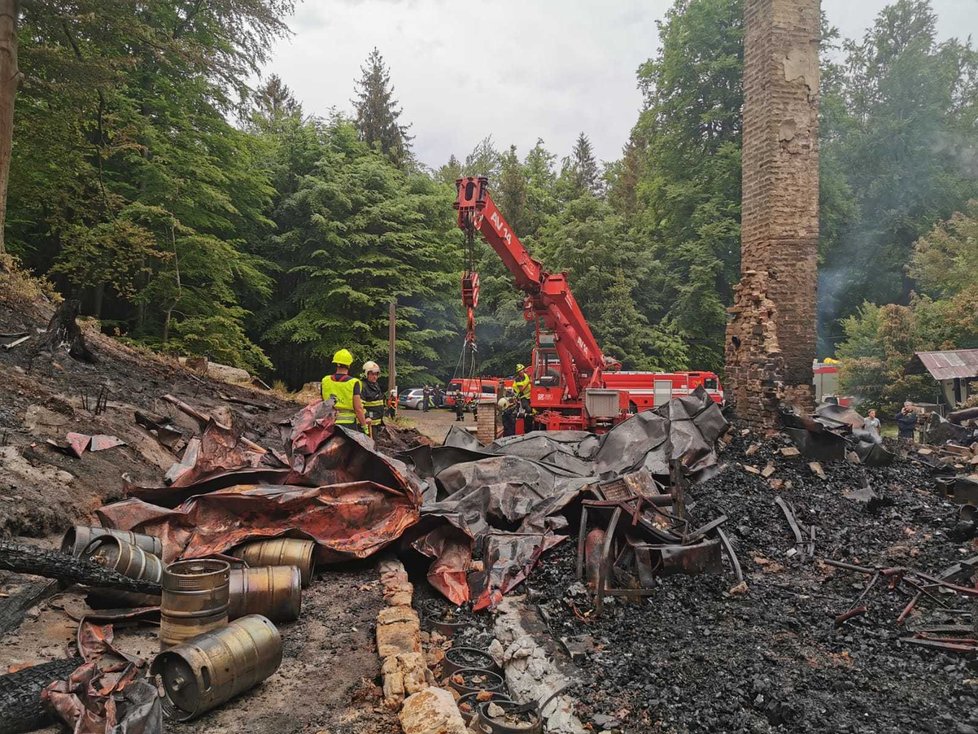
{"points": [[855, 613]]}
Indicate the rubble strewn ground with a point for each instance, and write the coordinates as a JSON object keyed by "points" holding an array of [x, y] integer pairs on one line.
{"points": [[43, 396], [702, 653], [327, 681], [696, 657], [329, 677]]}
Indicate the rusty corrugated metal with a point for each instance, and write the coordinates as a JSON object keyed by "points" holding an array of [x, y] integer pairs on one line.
{"points": [[950, 364]]}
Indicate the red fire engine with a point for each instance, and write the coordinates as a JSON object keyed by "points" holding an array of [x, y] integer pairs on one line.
{"points": [[475, 390], [575, 386]]}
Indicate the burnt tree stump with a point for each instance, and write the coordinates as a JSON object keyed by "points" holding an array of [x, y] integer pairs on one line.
{"points": [[63, 331]]}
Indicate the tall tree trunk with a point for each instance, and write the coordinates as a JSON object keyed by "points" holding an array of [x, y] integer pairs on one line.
{"points": [[9, 77], [98, 298]]}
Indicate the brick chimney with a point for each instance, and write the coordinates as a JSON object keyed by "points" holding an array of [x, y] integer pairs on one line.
{"points": [[771, 334]]}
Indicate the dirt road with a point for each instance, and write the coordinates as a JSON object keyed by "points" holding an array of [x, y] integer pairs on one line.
{"points": [[434, 424]]}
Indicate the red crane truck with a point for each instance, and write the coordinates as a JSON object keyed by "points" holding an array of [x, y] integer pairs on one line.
{"points": [[575, 386]]}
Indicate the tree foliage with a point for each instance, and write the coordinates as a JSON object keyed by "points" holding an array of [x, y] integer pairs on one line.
{"points": [[898, 132], [356, 234], [377, 112], [880, 341], [687, 187], [271, 242], [129, 183]]}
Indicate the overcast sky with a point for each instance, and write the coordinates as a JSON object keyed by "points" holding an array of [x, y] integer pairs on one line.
{"points": [[517, 70]]}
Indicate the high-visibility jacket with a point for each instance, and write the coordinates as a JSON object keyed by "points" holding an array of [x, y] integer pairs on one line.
{"points": [[374, 400], [343, 391], [521, 387]]}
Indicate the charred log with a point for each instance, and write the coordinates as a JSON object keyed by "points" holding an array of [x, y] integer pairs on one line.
{"points": [[21, 708], [65, 568], [965, 414], [13, 609]]}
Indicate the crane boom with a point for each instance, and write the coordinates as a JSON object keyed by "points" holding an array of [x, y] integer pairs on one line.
{"points": [[575, 386], [548, 296]]}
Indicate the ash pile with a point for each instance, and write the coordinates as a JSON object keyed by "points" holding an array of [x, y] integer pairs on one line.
{"points": [[855, 613]]}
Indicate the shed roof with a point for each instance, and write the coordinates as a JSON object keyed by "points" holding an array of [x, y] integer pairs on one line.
{"points": [[950, 364]]}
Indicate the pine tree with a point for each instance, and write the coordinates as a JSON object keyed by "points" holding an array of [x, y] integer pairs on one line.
{"points": [[274, 101], [484, 160], [451, 172], [511, 191], [585, 167], [377, 112], [623, 176], [358, 232]]}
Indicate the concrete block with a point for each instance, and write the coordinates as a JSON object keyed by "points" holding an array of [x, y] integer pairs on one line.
{"points": [[398, 631], [431, 711], [404, 675]]}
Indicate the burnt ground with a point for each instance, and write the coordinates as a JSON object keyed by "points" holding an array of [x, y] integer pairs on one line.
{"points": [[695, 657], [42, 397], [328, 680]]}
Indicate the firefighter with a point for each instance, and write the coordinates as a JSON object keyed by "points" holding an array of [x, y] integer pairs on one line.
{"points": [[521, 389], [392, 403], [521, 385], [508, 407], [345, 390], [373, 396]]}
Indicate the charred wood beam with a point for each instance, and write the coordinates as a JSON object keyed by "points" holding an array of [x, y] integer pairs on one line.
{"points": [[63, 331], [21, 708], [13, 609], [55, 565]]}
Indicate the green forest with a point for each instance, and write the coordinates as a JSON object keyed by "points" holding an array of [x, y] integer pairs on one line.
{"points": [[197, 213]]}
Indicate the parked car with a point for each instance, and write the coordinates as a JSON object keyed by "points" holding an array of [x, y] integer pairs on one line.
{"points": [[411, 398]]}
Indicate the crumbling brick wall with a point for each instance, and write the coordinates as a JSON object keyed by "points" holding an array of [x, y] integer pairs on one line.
{"points": [[779, 221], [755, 363]]}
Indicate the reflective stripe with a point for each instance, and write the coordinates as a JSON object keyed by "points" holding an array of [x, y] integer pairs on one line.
{"points": [[374, 409], [343, 393]]}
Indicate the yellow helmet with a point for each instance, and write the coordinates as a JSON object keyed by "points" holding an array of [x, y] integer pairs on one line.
{"points": [[371, 366], [520, 367], [343, 357]]}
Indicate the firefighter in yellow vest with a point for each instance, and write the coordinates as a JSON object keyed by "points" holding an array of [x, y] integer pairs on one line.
{"points": [[373, 396], [345, 389], [521, 386]]}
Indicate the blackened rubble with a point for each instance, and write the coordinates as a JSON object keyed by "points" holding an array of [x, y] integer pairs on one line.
{"points": [[696, 657]]}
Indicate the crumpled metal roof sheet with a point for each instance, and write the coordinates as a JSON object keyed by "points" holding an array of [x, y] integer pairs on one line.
{"points": [[950, 364]]}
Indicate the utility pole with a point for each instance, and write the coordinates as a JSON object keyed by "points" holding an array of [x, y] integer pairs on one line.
{"points": [[392, 347], [9, 78]]}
